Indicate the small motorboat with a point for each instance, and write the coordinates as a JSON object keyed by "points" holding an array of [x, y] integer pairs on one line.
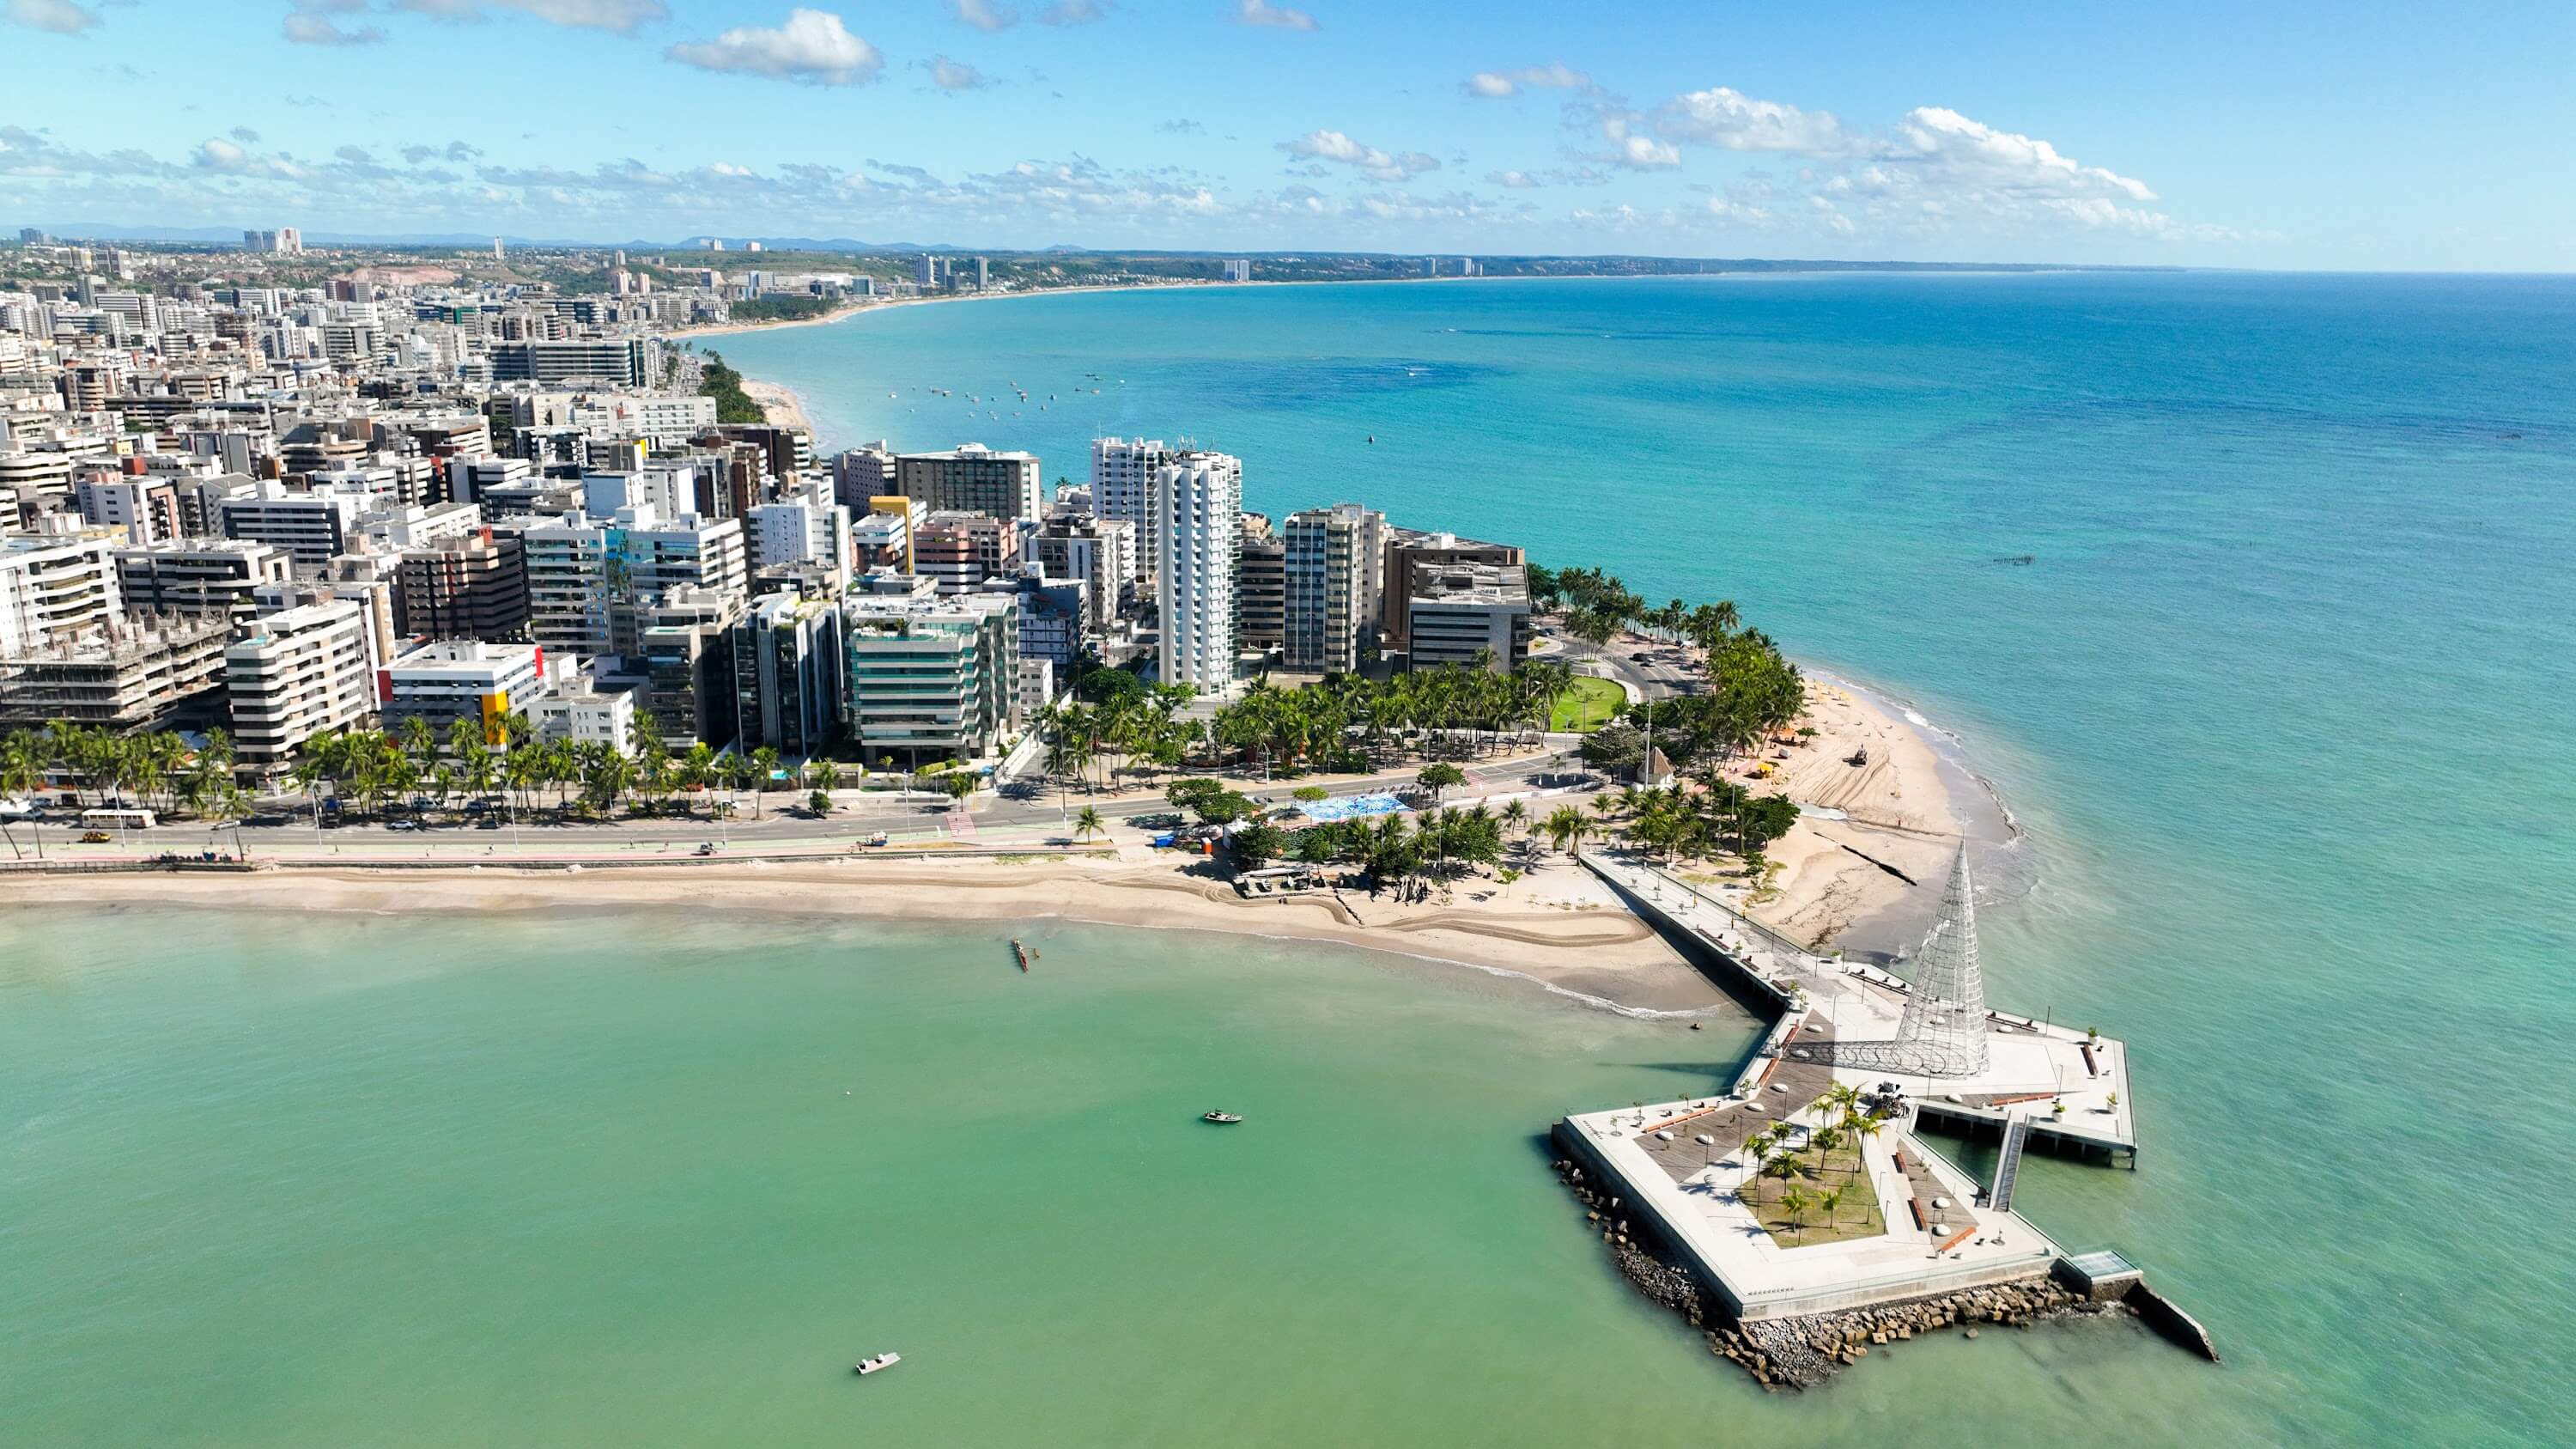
{"points": [[885, 1360], [1022, 954], [1223, 1119]]}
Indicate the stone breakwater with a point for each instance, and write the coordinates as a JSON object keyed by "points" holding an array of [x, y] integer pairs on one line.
{"points": [[1802, 1352]]}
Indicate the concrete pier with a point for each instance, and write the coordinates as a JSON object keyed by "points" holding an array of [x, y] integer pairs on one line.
{"points": [[1677, 1167]]}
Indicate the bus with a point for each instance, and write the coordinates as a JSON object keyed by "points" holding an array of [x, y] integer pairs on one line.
{"points": [[119, 819]]}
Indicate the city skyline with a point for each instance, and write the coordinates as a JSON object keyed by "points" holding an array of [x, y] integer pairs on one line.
{"points": [[2294, 138]]}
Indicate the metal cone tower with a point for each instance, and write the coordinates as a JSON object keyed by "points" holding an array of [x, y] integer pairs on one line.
{"points": [[1943, 1030]]}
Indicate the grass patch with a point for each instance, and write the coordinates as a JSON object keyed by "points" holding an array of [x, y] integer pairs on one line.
{"points": [[1587, 705], [1856, 1216]]}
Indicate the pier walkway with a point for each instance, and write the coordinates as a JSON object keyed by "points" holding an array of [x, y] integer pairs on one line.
{"points": [[1679, 1165]]}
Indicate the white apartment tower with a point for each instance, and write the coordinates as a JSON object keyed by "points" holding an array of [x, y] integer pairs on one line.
{"points": [[1197, 514], [298, 673], [1122, 489]]}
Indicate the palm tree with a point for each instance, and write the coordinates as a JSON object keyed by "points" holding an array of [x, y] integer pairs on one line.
{"points": [[1796, 1200], [1831, 1200], [764, 767], [1087, 824], [1516, 815]]}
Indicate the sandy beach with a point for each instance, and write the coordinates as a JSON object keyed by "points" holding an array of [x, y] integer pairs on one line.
{"points": [[785, 408], [1558, 926]]}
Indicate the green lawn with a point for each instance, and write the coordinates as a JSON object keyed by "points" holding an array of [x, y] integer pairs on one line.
{"points": [[1856, 1216], [1587, 705]]}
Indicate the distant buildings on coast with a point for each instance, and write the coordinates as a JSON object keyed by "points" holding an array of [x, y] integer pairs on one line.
{"points": [[238, 494]]}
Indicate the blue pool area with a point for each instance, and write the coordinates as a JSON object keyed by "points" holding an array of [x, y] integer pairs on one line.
{"points": [[1353, 807]]}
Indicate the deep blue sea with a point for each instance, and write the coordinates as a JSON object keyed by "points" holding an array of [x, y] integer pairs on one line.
{"points": [[2283, 700]]}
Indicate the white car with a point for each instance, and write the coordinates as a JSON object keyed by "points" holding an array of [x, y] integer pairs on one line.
{"points": [[403, 825]]}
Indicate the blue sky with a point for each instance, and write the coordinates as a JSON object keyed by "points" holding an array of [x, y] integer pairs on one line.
{"points": [[2286, 134]]}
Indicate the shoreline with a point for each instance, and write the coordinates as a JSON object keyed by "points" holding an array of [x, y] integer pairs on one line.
{"points": [[1572, 945]]}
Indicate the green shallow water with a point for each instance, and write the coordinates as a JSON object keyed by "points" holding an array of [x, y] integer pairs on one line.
{"points": [[659, 1178]]}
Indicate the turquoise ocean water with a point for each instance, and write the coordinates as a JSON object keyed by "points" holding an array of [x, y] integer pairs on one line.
{"points": [[2282, 706]]}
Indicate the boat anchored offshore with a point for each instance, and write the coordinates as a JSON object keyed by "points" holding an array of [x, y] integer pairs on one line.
{"points": [[1023, 954], [885, 1360], [1226, 1119]]}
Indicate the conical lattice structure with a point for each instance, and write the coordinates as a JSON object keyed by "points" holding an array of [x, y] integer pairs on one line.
{"points": [[1943, 1030]]}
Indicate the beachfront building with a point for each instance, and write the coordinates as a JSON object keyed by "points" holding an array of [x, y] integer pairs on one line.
{"points": [[687, 653], [442, 681], [930, 678], [1198, 516], [53, 586], [142, 672], [1409, 550], [1329, 587], [1261, 597], [1459, 609], [787, 675], [298, 673], [580, 707], [591, 581], [972, 478]]}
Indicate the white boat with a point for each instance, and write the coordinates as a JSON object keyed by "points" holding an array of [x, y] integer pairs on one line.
{"points": [[885, 1360], [1222, 1118]]}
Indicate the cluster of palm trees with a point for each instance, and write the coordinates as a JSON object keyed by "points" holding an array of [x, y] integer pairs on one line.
{"points": [[1398, 856], [371, 769], [157, 770], [1719, 816], [1131, 731], [1778, 1152], [1597, 606], [1347, 722]]}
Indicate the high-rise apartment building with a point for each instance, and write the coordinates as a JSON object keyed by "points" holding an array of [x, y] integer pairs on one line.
{"points": [[931, 678], [1198, 520], [961, 550], [787, 675], [591, 581], [1122, 490], [1329, 596], [474, 587], [621, 361], [445, 680], [1261, 596], [296, 674], [972, 478], [53, 587]]}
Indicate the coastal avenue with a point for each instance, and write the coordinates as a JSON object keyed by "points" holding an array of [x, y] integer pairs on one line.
{"points": [[1023, 815]]}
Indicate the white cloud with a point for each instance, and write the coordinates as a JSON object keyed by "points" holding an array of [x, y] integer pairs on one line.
{"points": [[1951, 143], [1277, 17], [307, 23], [1378, 165], [1629, 146], [1514, 179], [955, 75], [984, 15], [813, 46], [62, 17], [1075, 12], [221, 155], [1556, 76], [624, 17], [1733, 121]]}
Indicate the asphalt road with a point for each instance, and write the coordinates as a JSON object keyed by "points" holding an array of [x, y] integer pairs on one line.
{"points": [[1025, 814]]}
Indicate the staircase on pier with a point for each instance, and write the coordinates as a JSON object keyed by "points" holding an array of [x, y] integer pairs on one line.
{"points": [[2008, 1162]]}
